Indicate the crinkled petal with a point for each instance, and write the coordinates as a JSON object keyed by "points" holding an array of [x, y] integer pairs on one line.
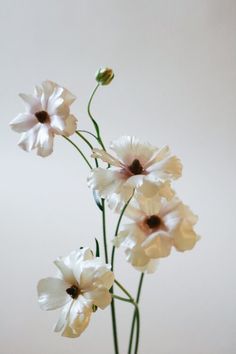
{"points": [[23, 122], [62, 320], [160, 154], [148, 268], [157, 245], [105, 157], [28, 139], [100, 297], [32, 103], [137, 257], [52, 293], [94, 273], [170, 168], [78, 318], [70, 125], [105, 182], [129, 148], [44, 141], [184, 237], [58, 124]]}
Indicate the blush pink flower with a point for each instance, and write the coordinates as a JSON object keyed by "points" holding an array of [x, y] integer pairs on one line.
{"points": [[47, 113], [160, 221], [133, 161]]}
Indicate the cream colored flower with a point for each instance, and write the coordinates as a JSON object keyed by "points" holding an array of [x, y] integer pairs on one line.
{"points": [[47, 114], [82, 284], [134, 161], [160, 221]]}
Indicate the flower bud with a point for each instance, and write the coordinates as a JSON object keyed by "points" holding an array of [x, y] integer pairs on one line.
{"points": [[104, 76]]}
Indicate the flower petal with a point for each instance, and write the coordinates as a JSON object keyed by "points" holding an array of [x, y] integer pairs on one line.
{"points": [[57, 123], [129, 148], [70, 125], [168, 168], [184, 236], [105, 182], [28, 139], [23, 122], [63, 317], [105, 157], [44, 141], [100, 297], [157, 245], [32, 103], [52, 293], [94, 273], [78, 318]]}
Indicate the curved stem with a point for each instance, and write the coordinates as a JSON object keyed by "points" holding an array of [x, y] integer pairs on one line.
{"points": [[88, 143], [99, 139], [78, 149], [117, 230], [87, 132], [123, 289], [135, 316]]}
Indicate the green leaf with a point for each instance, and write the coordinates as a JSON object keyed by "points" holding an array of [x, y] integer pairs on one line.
{"points": [[97, 200], [97, 248]]}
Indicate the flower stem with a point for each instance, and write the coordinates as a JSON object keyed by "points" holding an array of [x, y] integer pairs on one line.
{"points": [[99, 139], [104, 230], [78, 149], [117, 229], [135, 317], [87, 132], [113, 312], [88, 143]]}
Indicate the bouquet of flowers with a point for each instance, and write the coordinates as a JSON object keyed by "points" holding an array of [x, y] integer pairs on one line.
{"points": [[134, 181]]}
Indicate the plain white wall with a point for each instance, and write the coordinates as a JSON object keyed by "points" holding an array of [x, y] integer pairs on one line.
{"points": [[175, 65]]}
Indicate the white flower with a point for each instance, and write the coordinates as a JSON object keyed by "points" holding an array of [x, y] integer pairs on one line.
{"points": [[135, 160], [160, 221], [82, 284], [47, 114]]}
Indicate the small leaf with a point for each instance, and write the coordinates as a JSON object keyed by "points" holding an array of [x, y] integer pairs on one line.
{"points": [[97, 200], [94, 308], [97, 248]]}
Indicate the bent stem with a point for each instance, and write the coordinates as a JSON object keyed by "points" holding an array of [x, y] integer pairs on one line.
{"points": [[135, 317], [78, 149], [88, 143], [98, 137]]}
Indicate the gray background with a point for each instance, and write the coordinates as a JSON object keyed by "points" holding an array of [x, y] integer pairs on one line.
{"points": [[175, 84]]}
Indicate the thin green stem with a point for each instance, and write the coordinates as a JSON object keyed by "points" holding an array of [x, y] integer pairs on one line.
{"points": [[104, 230], [99, 139], [113, 312], [78, 149], [87, 132], [117, 230], [135, 316], [88, 143], [124, 290]]}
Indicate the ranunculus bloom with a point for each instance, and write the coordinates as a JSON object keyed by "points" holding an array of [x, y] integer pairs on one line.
{"points": [[160, 221], [82, 284], [134, 161], [47, 114]]}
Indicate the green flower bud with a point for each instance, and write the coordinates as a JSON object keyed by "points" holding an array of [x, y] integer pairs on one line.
{"points": [[104, 76]]}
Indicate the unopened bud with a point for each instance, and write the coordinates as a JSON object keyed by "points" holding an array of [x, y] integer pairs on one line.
{"points": [[104, 76]]}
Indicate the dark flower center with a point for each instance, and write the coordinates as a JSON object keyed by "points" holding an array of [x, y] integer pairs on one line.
{"points": [[153, 221], [42, 116], [73, 291], [136, 168]]}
